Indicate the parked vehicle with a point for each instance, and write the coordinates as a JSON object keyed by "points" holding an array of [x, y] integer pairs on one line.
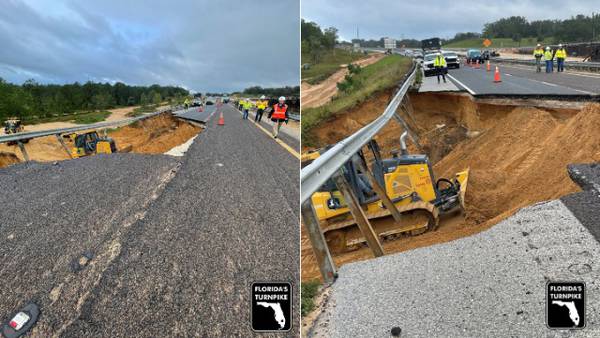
{"points": [[474, 56], [451, 59]]}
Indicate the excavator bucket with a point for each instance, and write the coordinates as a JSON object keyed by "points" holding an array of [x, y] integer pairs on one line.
{"points": [[462, 178]]}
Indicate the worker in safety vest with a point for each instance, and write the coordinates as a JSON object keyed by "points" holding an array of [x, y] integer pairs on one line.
{"points": [[246, 108], [261, 105], [241, 104], [440, 66], [186, 103], [278, 115], [548, 57], [538, 54], [561, 55]]}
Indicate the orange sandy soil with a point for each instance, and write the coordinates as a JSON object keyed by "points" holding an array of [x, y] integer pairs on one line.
{"points": [[319, 94], [517, 156], [155, 135]]}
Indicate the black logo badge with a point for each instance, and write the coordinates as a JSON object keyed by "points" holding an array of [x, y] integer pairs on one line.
{"points": [[565, 305], [271, 307]]}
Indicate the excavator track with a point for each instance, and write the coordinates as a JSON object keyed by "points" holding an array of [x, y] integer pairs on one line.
{"points": [[417, 218]]}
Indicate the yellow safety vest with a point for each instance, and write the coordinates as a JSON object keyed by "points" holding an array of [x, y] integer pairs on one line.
{"points": [[548, 55], [261, 105], [439, 61], [538, 53], [561, 53]]}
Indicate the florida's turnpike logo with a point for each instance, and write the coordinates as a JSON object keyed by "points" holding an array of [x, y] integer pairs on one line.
{"points": [[565, 305], [271, 307]]}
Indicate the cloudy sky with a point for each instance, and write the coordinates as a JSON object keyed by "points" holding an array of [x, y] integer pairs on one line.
{"points": [[203, 45], [427, 18]]}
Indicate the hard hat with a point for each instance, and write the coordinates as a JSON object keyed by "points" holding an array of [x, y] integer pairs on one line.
{"points": [[282, 98], [539, 45], [262, 97], [560, 45], [438, 53], [547, 48]]}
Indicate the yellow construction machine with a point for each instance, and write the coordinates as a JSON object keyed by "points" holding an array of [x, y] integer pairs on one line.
{"points": [[90, 143], [408, 181]]}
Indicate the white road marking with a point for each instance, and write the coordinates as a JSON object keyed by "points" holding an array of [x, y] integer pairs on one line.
{"points": [[548, 83], [462, 84]]}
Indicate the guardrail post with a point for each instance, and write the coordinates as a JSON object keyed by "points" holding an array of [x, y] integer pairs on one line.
{"points": [[318, 243], [359, 215], [23, 151], [62, 143], [380, 191]]}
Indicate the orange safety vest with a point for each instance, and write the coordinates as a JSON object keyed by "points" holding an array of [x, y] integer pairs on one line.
{"points": [[279, 112]]}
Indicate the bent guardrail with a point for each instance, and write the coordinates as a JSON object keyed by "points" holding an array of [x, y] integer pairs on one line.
{"points": [[315, 174]]}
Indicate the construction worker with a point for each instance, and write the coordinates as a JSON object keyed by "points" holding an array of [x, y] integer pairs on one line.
{"points": [[261, 105], [241, 104], [440, 66], [561, 55], [549, 60], [538, 53], [278, 115], [247, 106], [186, 103]]}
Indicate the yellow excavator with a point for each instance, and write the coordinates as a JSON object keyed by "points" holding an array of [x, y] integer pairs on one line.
{"points": [[90, 143], [409, 183]]}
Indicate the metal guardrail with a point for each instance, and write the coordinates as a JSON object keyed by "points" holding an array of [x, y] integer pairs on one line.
{"points": [[587, 66], [101, 125], [295, 117], [318, 172]]}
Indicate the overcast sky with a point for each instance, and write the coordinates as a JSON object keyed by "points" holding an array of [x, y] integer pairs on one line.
{"points": [[204, 45], [428, 18]]}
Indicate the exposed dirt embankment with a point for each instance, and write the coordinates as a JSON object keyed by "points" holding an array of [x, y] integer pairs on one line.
{"points": [[319, 94], [155, 135], [517, 155]]}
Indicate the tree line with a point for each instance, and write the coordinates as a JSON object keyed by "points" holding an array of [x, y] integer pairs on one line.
{"points": [[32, 100], [316, 41], [579, 28], [273, 92]]}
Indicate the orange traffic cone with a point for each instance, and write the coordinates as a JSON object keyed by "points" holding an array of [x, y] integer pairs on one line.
{"points": [[488, 67], [221, 120], [497, 75]]}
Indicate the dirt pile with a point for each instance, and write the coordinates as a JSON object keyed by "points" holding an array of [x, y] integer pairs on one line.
{"points": [[155, 135], [522, 159]]}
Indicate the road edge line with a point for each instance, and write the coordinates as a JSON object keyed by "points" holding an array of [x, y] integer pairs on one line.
{"points": [[462, 84]]}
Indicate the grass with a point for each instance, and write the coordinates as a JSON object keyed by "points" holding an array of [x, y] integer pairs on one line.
{"points": [[92, 117], [78, 117], [308, 293], [142, 110], [328, 64], [384, 74], [497, 43]]}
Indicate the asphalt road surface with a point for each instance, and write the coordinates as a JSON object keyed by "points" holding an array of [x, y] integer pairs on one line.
{"points": [[288, 136], [585, 82], [517, 82], [174, 243], [492, 284], [194, 113]]}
